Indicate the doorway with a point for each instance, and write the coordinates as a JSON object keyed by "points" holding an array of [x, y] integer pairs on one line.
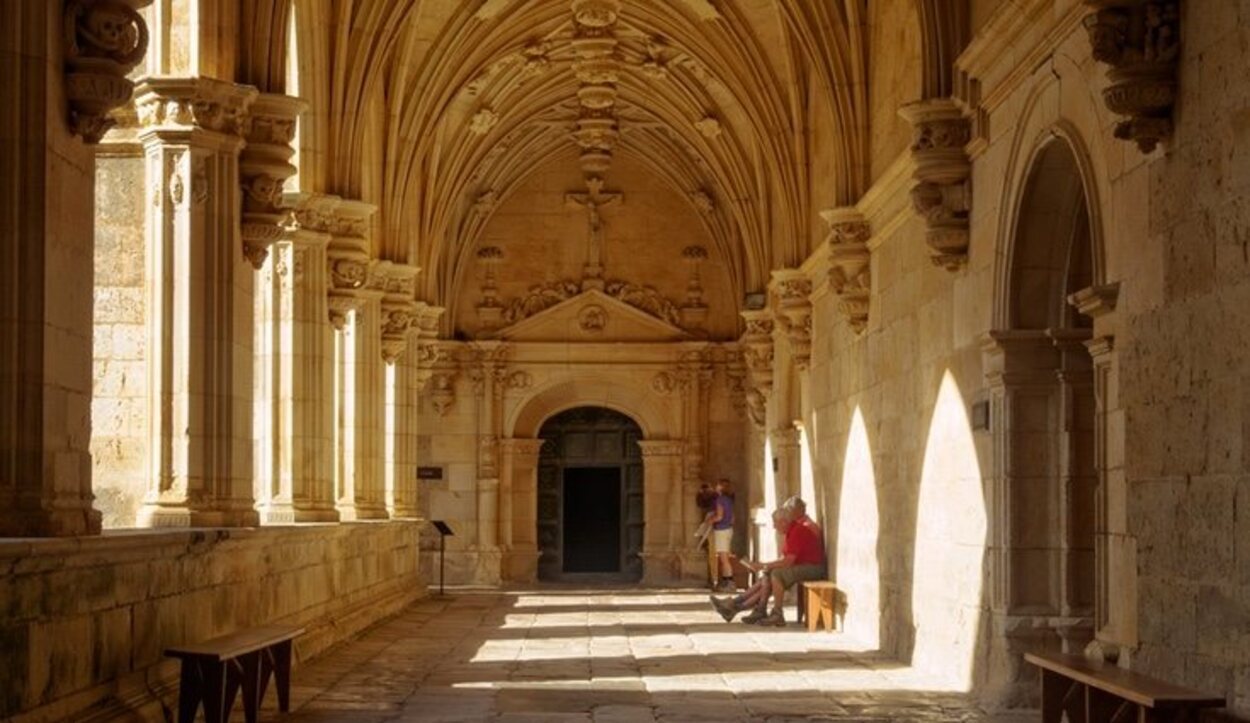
{"points": [[590, 497]]}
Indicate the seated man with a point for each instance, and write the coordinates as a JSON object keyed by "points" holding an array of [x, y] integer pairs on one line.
{"points": [[802, 558], [755, 598]]}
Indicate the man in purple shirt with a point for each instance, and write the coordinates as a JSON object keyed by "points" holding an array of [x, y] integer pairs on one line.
{"points": [[722, 520]]}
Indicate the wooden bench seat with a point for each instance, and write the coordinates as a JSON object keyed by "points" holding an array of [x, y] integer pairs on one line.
{"points": [[1091, 691], [215, 671]]}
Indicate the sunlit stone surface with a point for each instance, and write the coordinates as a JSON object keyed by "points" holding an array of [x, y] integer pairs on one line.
{"points": [[621, 655]]}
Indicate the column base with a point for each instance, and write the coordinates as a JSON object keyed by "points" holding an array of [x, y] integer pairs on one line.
{"points": [[151, 515], [323, 513], [519, 566], [361, 512]]}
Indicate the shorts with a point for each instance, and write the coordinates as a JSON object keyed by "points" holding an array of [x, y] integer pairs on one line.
{"points": [[787, 576], [722, 539]]}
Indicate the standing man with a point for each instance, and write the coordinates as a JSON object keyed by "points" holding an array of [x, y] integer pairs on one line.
{"points": [[722, 520]]}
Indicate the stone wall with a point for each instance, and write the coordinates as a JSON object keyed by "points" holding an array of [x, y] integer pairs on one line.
{"points": [[86, 620], [1185, 372], [119, 400]]}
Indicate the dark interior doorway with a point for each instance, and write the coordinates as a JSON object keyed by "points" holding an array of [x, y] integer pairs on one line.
{"points": [[590, 501], [592, 519]]}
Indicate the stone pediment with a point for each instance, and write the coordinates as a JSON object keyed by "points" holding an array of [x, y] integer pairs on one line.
{"points": [[593, 316]]}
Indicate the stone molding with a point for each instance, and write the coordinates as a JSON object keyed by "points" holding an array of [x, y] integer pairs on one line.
{"points": [[941, 195], [756, 343], [792, 289], [517, 447], [1096, 301], [1140, 40], [264, 164], [652, 448], [850, 273], [544, 296], [104, 41], [347, 258]]}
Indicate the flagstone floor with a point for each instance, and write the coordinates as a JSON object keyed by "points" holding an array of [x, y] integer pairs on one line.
{"points": [[606, 656]]}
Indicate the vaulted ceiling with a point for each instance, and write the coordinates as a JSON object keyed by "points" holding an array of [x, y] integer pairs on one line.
{"points": [[437, 110]]}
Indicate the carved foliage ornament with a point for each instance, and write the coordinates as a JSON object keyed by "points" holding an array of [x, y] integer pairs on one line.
{"points": [[545, 296], [850, 276], [941, 194], [104, 41], [1140, 40]]}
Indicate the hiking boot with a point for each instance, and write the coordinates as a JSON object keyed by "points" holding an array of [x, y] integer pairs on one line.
{"points": [[756, 615], [774, 619], [727, 585], [724, 607]]}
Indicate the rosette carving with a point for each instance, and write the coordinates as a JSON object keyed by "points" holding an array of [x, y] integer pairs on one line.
{"points": [[104, 41], [1140, 40]]}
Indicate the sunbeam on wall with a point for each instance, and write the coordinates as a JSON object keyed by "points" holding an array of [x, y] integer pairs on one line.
{"points": [[950, 545], [858, 572], [807, 474], [767, 542]]}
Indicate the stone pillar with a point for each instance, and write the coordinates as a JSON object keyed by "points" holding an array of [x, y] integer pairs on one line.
{"points": [[520, 462], [46, 200], [200, 310], [303, 348], [792, 289], [665, 537], [368, 403], [786, 450], [399, 452]]}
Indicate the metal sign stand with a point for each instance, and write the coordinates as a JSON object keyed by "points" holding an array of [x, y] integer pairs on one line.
{"points": [[443, 532]]}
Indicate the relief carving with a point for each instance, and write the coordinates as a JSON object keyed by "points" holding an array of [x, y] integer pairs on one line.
{"points": [[850, 275], [792, 289], [941, 194], [1140, 40], [104, 41]]}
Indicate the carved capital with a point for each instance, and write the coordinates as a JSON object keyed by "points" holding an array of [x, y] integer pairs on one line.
{"points": [[757, 346], [310, 214], [1140, 40], [793, 288], [347, 258], [850, 275], [264, 165], [941, 194], [104, 41], [186, 104]]}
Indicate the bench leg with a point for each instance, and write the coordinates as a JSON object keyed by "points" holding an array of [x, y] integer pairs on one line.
{"points": [[282, 674], [1060, 695], [1102, 707], [213, 674], [249, 672], [190, 691], [812, 606]]}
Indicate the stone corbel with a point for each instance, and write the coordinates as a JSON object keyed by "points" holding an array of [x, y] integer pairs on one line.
{"points": [[104, 41], [180, 105], [850, 275], [264, 165], [942, 194], [398, 309], [757, 356], [347, 259], [425, 322], [792, 289], [1095, 301], [1140, 40]]}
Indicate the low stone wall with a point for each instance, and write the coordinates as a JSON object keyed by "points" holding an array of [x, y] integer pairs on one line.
{"points": [[84, 622]]}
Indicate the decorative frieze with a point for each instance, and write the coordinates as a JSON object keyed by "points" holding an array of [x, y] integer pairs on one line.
{"points": [[104, 41], [264, 165], [184, 104], [850, 275], [942, 194], [1140, 40], [545, 296], [792, 289], [347, 259]]}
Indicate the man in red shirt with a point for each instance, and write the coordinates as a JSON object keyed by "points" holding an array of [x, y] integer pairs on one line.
{"points": [[802, 558]]}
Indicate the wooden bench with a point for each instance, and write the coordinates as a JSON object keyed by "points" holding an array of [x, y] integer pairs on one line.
{"points": [[821, 602], [215, 671], [1091, 691]]}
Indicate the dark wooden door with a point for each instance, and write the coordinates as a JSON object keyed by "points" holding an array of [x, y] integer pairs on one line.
{"points": [[590, 496]]}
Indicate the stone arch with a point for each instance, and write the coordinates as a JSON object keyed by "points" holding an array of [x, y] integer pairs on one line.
{"points": [[1041, 377], [560, 395]]}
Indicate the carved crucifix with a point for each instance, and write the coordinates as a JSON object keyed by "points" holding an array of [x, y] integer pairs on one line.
{"points": [[594, 199]]}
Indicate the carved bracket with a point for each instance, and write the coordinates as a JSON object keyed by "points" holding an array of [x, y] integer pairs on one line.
{"points": [[264, 165], [104, 41], [757, 356], [850, 275], [1140, 40], [399, 310], [793, 289], [942, 194], [347, 259]]}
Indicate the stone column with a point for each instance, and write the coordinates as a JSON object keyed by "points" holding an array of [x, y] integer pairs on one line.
{"points": [[48, 57], [399, 342], [304, 352], [786, 450], [368, 402], [200, 285], [520, 461], [665, 537]]}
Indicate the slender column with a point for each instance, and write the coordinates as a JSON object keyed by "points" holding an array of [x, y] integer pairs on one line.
{"points": [[520, 562], [785, 446], [399, 334], [664, 536], [200, 286], [368, 403]]}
